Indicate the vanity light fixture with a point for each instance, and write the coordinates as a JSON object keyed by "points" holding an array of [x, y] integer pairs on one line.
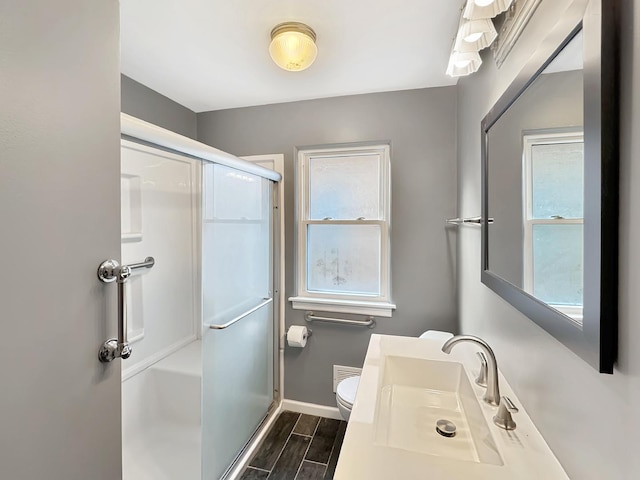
{"points": [[293, 46], [463, 63], [474, 35], [476, 9]]}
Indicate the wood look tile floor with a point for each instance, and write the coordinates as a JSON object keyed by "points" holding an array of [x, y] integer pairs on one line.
{"points": [[298, 447]]}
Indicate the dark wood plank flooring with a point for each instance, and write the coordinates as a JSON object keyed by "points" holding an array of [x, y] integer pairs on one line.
{"points": [[298, 447]]}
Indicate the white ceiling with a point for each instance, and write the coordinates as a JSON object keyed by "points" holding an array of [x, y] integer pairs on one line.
{"points": [[570, 58], [213, 54]]}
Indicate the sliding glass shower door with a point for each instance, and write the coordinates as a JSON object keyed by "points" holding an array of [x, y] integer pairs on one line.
{"points": [[238, 333]]}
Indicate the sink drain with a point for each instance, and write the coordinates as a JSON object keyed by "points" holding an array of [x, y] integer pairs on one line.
{"points": [[446, 428]]}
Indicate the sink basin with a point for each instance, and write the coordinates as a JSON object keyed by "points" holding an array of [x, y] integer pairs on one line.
{"points": [[415, 393], [407, 385]]}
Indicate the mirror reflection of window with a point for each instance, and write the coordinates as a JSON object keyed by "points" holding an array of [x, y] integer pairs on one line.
{"points": [[553, 219], [536, 186]]}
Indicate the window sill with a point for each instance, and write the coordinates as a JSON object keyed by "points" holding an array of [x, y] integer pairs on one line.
{"points": [[379, 309]]}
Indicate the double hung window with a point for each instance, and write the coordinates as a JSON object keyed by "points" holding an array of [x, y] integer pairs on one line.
{"points": [[553, 219], [343, 210]]}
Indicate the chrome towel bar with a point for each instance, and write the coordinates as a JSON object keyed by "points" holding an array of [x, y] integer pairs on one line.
{"points": [[240, 317], [474, 221], [369, 322]]}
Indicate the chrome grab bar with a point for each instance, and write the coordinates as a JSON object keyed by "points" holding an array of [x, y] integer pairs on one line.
{"points": [[149, 262], [108, 272], [369, 322], [240, 317], [123, 344]]}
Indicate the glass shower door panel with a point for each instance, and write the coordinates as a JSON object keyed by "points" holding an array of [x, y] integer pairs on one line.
{"points": [[237, 388], [236, 232], [237, 360]]}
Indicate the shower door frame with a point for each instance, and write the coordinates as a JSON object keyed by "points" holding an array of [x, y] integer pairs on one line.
{"points": [[278, 282], [278, 265], [139, 131]]}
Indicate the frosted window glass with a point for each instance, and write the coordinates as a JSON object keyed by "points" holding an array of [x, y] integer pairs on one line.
{"points": [[344, 259], [558, 264], [344, 188], [237, 387], [558, 180]]}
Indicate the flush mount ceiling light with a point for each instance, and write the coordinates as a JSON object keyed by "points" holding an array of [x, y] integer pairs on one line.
{"points": [[477, 9], [474, 35], [293, 46], [463, 63]]}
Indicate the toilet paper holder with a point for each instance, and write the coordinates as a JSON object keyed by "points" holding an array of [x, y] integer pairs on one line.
{"points": [[297, 336]]}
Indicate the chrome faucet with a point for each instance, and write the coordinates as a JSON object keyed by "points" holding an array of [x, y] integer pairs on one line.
{"points": [[492, 395], [481, 379]]}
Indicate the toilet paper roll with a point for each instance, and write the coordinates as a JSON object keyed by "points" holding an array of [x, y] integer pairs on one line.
{"points": [[297, 336]]}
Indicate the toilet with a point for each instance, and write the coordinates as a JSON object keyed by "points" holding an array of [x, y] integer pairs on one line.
{"points": [[347, 388], [346, 395]]}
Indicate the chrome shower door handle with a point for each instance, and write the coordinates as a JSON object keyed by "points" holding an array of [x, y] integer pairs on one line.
{"points": [[108, 272]]}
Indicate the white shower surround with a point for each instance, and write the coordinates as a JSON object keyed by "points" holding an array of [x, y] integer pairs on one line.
{"points": [[161, 419]]}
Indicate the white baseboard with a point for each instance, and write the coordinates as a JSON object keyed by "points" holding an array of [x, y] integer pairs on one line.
{"points": [[311, 409]]}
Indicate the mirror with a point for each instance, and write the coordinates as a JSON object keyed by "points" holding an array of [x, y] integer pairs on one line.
{"points": [[536, 167], [550, 184]]}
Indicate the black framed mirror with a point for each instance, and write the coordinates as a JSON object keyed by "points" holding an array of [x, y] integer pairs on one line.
{"points": [[550, 184]]}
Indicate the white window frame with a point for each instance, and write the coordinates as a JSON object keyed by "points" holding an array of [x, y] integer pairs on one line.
{"points": [[380, 305], [529, 140]]}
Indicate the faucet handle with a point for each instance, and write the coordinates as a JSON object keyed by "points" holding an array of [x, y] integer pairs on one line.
{"points": [[481, 379], [503, 418]]}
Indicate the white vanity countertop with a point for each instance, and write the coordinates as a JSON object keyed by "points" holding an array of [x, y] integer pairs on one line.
{"points": [[525, 454]]}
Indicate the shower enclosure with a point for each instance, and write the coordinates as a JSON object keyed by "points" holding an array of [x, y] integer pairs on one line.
{"points": [[203, 326]]}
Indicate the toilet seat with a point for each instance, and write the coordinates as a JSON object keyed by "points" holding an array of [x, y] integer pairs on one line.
{"points": [[342, 403], [346, 391]]}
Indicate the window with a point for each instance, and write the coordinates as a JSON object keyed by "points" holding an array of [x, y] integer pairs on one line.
{"points": [[343, 210], [553, 219]]}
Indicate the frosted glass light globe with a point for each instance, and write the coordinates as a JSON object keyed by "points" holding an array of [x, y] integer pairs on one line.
{"points": [[293, 46]]}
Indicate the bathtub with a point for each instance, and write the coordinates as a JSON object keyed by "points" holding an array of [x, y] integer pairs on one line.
{"points": [[161, 419]]}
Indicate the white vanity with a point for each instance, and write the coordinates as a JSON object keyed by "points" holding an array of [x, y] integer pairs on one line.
{"points": [[407, 385]]}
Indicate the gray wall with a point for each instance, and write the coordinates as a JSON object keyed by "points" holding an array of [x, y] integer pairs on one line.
{"points": [[589, 420], [421, 125], [60, 415], [553, 101], [141, 102]]}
